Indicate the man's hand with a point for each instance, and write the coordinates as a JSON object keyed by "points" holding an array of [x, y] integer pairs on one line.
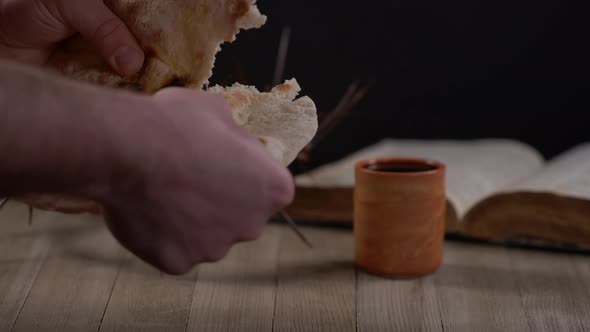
{"points": [[31, 29], [196, 184], [180, 183]]}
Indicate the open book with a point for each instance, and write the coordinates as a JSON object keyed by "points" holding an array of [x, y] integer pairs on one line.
{"points": [[497, 190]]}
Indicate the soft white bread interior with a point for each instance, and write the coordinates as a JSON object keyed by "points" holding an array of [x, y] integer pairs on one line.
{"points": [[283, 123]]}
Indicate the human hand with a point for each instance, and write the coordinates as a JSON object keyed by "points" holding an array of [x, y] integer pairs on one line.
{"points": [[31, 29], [195, 183]]}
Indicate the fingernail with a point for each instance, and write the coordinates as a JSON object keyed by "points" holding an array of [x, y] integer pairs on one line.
{"points": [[127, 61]]}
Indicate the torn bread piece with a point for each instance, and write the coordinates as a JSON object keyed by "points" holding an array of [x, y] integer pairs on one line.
{"points": [[180, 39], [285, 125]]}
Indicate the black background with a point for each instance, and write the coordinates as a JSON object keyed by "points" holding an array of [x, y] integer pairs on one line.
{"points": [[442, 69]]}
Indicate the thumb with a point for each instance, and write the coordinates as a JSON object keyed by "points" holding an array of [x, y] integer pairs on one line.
{"points": [[107, 32]]}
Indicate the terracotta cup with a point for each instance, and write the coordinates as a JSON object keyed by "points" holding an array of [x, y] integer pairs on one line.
{"points": [[399, 211]]}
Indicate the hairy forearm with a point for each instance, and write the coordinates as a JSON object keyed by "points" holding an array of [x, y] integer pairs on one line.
{"points": [[58, 136]]}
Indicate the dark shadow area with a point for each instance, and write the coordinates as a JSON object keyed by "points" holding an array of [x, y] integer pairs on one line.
{"points": [[523, 244], [95, 257], [453, 69], [504, 279], [297, 272], [57, 233]]}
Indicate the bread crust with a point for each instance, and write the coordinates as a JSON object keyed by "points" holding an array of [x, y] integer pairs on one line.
{"points": [[180, 39]]}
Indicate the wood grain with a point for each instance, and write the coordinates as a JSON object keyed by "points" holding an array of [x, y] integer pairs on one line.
{"points": [[144, 299], [238, 293], [476, 290], [582, 267], [74, 284], [316, 287], [22, 252], [553, 291], [412, 302], [68, 274]]}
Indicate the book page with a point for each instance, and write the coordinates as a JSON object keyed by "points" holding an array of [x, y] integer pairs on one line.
{"points": [[568, 175], [475, 169]]}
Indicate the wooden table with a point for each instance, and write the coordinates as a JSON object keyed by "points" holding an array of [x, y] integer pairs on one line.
{"points": [[68, 274]]}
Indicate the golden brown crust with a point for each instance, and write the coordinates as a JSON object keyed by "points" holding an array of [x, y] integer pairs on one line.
{"points": [[180, 39]]}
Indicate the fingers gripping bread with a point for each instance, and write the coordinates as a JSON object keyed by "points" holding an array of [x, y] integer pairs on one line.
{"points": [[180, 39]]}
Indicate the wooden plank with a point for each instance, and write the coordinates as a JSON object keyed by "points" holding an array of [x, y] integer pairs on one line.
{"points": [[59, 275], [144, 299], [22, 252], [477, 291], [238, 293], [16, 280], [554, 296], [397, 304], [316, 287], [75, 282], [582, 267]]}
